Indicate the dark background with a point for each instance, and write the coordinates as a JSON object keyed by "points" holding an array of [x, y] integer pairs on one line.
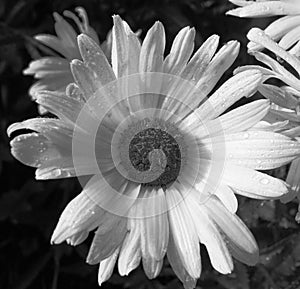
{"points": [[29, 209]]}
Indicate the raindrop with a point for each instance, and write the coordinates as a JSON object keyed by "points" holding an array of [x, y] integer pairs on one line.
{"points": [[264, 181], [56, 173], [246, 135]]}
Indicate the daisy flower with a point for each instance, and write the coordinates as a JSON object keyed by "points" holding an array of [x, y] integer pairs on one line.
{"points": [[54, 72], [163, 161], [285, 99], [285, 30]]}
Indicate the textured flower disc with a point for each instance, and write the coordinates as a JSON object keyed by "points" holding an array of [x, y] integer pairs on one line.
{"points": [[150, 154]]}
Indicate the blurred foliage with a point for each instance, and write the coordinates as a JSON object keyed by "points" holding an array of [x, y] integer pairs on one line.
{"points": [[29, 209]]}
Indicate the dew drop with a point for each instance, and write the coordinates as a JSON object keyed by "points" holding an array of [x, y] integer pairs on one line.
{"points": [[56, 172], [264, 181], [266, 8]]}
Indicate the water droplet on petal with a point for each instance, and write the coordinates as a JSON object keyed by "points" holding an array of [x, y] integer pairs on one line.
{"points": [[264, 181], [56, 172]]}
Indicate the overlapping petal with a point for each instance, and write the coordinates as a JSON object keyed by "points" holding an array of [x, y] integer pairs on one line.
{"points": [[283, 30], [54, 73]]}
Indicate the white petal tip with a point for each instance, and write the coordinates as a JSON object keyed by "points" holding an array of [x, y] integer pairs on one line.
{"points": [[254, 33], [232, 13]]}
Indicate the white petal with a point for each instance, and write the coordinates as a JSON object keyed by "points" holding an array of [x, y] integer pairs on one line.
{"points": [[183, 231], [281, 26], [238, 119], [278, 70], [277, 29], [275, 126], [253, 182], [262, 150], [152, 51], [210, 236], [130, 253], [242, 84], [78, 238], [293, 179], [181, 51], [258, 36], [154, 226], [82, 22], [125, 48], [48, 66], [105, 243], [178, 267], [33, 149], [268, 8], [278, 95], [267, 73], [95, 59], [106, 267], [67, 36], [222, 60], [53, 83], [227, 197], [239, 237], [80, 214], [61, 105], [201, 59], [285, 114], [113, 193], [210, 76], [52, 42], [193, 72], [89, 81], [289, 39], [55, 130], [83, 78], [255, 149], [152, 267], [87, 210], [151, 60], [63, 167]]}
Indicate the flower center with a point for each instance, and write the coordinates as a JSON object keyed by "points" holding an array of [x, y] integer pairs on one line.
{"points": [[151, 152], [161, 147]]}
